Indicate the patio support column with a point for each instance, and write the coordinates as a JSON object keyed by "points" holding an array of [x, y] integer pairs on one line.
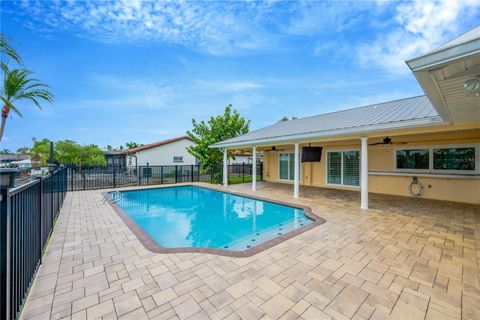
{"points": [[225, 168], [296, 172], [364, 174], [254, 169]]}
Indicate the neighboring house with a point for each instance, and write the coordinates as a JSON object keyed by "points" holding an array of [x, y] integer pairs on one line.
{"points": [[14, 159], [426, 146], [167, 152], [117, 158], [244, 157]]}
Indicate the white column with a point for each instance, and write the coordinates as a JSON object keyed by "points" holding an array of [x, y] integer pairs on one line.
{"points": [[225, 168], [296, 172], [364, 174], [254, 169]]}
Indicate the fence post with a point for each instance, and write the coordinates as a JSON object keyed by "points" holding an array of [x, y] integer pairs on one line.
{"points": [[243, 171], [138, 173], [161, 174], [176, 174], [261, 171], [70, 171], [148, 174], [114, 177], [4, 255], [42, 217], [191, 172]]}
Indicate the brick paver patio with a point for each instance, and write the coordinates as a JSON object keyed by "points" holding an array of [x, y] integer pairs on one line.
{"points": [[404, 258]]}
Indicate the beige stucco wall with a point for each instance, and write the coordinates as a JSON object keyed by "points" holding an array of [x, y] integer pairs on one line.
{"points": [[381, 158]]}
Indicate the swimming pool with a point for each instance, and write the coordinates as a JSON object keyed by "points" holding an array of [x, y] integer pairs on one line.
{"points": [[197, 217]]}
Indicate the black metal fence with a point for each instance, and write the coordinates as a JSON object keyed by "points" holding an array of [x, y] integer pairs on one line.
{"points": [[101, 177], [28, 214]]}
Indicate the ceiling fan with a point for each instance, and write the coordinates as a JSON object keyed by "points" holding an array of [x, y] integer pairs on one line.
{"points": [[273, 148], [386, 141]]}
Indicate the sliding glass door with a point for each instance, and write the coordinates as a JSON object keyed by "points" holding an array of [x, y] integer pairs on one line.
{"points": [[343, 168], [286, 166]]}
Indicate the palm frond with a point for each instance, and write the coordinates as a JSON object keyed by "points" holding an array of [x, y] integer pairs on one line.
{"points": [[6, 48], [15, 109], [18, 85]]}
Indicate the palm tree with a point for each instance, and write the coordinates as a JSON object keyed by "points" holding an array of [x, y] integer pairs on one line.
{"points": [[23, 150], [17, 86], [9, 51]]}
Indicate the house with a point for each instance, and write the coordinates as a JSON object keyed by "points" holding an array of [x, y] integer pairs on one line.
{"points": [[117, 158], [167, 152], [245, 157], [426, 146], [14, 159]]}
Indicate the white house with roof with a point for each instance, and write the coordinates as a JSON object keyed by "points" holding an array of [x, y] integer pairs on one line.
{"points": [[426, 146], [166, 152]]}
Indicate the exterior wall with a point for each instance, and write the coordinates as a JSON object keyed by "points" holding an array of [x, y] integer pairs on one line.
{"points": [[381, 158], [163, 155]]}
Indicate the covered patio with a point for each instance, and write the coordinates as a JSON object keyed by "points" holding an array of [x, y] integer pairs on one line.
{"points": [[403, 258]]}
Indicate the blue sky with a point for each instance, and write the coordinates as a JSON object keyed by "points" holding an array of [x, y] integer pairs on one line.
{"points": [[140, 71]]}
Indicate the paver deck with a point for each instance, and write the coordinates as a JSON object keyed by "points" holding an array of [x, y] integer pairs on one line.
{"points": [[404, 258]]}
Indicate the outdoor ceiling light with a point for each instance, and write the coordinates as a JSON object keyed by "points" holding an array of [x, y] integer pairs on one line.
{"points": [[473, 87]]}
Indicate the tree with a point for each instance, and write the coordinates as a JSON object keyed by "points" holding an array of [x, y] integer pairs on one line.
{"points": [[40, 152], [91, 155], [6, 151], [17, 86], [23, 150], [131, 145], [70, 152], [228, 125], [109, 147], [285, 118], [67, 152]]}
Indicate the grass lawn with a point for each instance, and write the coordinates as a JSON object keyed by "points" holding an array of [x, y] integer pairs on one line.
{"points": [[235, 180]]}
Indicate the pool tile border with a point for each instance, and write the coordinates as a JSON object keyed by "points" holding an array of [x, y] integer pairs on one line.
{"points": [[153, 246]]}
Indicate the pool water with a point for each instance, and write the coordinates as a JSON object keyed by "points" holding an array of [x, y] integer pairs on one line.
{"points": [[190, 216]]}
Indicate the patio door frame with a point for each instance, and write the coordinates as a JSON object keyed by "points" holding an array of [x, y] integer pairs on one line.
{"points": [[341, 184]]}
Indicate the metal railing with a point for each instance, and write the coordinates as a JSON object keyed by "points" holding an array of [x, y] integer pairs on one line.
{"points": [[28, 214], [101, 177]]}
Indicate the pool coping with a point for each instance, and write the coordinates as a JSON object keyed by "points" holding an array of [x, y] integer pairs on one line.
{"points": [[154, 247]]}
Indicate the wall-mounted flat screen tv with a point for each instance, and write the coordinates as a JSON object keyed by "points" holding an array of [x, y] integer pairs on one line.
{"points": [[311, 154]]}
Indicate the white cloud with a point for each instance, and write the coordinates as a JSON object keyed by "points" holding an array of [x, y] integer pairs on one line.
{"points": [[421, 27], [216, 27]]}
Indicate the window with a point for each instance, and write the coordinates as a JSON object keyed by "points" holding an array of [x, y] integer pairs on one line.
{"points": [[286, 166], [454, 159], [334, 167], [177, 159], [129, 161], [438, 159], [351, 168], [413, 159], [343, 168]]}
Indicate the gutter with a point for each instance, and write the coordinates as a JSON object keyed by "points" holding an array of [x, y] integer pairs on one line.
{"points": [[445, 55]]}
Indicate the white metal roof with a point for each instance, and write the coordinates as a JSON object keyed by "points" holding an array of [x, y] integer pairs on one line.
{"points": [[404, 113], [470, 35]]}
